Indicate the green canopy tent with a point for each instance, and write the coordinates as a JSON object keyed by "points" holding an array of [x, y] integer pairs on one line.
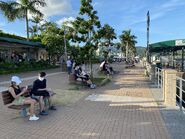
{"points": [[169, 46]]}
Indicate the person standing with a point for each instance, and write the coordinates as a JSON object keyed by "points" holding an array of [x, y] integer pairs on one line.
{"points": [[69, 65]]}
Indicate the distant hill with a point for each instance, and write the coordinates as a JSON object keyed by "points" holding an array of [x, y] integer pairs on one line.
{"points": [[140, 51]]}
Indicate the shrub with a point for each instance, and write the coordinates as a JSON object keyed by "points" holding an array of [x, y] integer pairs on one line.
{"points": [[14, 67]]}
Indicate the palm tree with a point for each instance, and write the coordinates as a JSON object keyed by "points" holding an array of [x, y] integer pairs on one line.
{"points": [[129, 41], [36, 20], [33, 30], [120, 47], [14, 10], [107, 33]]}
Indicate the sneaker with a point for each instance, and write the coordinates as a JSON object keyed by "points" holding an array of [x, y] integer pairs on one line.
{"points": [[52, 108], [28, 114], [43, 113], [33, 118]]}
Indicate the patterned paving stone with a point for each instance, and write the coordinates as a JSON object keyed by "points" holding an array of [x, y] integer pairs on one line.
{"points": [[124, 109]]}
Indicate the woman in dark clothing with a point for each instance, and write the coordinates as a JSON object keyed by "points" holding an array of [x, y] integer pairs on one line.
{"points": [[107, 68], [39, 89], [17, 93], [79, 73]]}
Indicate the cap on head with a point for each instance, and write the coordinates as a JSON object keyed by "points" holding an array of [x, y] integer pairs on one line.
{"points": [[16, 79]]}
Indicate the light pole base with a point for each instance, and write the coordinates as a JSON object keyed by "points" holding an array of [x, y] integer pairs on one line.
{"points": [[64, 67]]}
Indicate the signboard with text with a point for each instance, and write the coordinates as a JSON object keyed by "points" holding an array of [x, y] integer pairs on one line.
{"points": [[179, 42]]}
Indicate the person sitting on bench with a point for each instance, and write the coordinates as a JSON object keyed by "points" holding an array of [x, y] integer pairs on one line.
{"points": [[79, 73], [17, 93], [105, 66], [39, 89]]}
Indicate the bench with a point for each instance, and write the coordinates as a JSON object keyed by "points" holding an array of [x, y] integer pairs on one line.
{"points": [[102, 72], [74, 80], [130, 66], [8, 99]]}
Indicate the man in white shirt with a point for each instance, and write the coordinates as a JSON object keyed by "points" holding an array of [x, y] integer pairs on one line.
{"points": [[69, 65]]}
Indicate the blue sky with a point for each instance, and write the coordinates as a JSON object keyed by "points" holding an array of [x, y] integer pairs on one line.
{"points": [[167, 17]]}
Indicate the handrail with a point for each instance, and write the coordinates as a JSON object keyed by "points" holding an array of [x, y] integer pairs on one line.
{"points": [[179, 86]]}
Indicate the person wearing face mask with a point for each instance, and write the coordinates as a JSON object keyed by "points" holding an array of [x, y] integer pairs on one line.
{"points": [[39, 89], [17, 93]]}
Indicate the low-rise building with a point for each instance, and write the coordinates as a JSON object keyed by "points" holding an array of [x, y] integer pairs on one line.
{"points": [[14, 49]]}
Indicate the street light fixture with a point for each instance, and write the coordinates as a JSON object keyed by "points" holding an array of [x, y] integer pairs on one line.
{"points": [[66, 24]]}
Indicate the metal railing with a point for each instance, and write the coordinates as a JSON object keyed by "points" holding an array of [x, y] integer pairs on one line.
{"points": [[159, 77], [180, 92]]}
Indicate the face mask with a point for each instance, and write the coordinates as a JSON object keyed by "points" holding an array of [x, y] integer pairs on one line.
{"points": [[41, 78], [17, 84]]}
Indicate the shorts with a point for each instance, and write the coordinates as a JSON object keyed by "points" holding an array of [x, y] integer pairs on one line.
{"points": [[19, 100], [86, 77], [69, 70], [41, 93]]}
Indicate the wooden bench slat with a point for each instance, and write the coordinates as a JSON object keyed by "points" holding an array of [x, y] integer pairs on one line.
{"points": [[7, 101], [7, 97], [18, 107]]}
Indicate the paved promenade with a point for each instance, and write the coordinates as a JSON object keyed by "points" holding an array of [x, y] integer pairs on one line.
{"points": [[123, 109]]}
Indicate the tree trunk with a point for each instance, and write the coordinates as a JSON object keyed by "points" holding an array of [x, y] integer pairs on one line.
{"points": [[27, 26], [127, 52]]}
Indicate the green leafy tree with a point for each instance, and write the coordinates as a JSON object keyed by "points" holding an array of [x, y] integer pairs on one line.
{"points": [[106, 34], [35, 28], [87, 24], [53, 40], [128, 40], [121, 48], [45, 25], [14, 10]]}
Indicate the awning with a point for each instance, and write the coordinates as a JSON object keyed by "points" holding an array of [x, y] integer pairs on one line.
{"points": [[24, 42], [166, 46]]}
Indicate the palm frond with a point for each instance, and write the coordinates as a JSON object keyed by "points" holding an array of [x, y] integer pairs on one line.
{"points": [[41, 3], [34, 11], [9, 10]]}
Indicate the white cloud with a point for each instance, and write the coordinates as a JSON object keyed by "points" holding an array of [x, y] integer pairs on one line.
{"points": [[167, 7], [57, 7], [65, 20]]}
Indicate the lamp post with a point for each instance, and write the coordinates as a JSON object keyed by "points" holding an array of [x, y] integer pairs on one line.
{"points": [[67, 24], [65, 47]]}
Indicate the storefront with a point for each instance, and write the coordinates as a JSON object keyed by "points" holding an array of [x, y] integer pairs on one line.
{"points": [[14, 49]]}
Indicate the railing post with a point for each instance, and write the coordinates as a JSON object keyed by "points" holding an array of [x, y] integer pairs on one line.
{"points": [[169, 87], [180, 95], [158, 77], [162, 71]]}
